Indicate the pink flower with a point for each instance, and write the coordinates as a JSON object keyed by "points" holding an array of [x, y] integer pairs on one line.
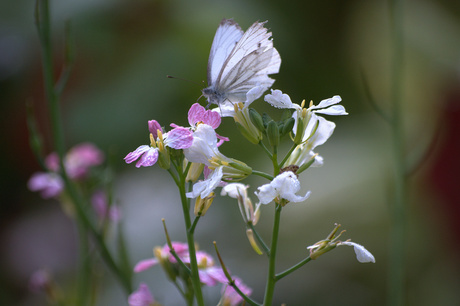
{"points": [[102, 209], [145, 264], [198, 113], [178, 138], [50, 185], [141, 297], [162, 254], [147, 156], [231, 297], [154, 127], [212, 276], [77, 161], [81, 158]]}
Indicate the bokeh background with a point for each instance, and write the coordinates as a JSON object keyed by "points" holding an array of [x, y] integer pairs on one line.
{"points": [[125, 49]]}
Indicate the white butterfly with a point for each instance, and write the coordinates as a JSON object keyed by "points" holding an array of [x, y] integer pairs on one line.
{"points": [[240, 61]]}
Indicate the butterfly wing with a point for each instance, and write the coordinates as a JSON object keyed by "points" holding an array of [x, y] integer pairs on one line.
{"points": [[248, 65], [227, 35]]}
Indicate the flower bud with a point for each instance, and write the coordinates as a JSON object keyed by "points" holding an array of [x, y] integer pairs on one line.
{"points": [[247, 134], [299, 132], [163, 158], [245, 125], [194, 171], [288, 125], [273, 133], [202, 205], [252, 241], [256, 119]]}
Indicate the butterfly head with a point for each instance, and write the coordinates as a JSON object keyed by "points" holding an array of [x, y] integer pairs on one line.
{"points": [[213, 96]]}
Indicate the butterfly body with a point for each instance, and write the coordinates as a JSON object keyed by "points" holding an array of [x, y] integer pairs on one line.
{"points": [[240, 61]]}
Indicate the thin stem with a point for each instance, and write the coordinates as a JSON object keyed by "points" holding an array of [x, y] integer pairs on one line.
{"points": [[276, 167], [43, 24], [261, 241], [84, 267], [288, 155], [44, 29], [195, 222], [399, 209], [261, 144], [190, 241], [292, 269], [271, 278], [263, 174]]}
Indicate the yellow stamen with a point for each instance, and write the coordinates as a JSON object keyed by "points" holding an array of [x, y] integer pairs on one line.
{"points": [[160, 135], [152, 141], [302, 104], [311, 103], [304, 112]]}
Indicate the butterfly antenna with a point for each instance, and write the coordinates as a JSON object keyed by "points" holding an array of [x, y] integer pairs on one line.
{"points": [[173, 77]]}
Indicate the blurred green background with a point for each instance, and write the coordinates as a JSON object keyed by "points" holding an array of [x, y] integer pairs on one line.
{"points": [[125, 49]]}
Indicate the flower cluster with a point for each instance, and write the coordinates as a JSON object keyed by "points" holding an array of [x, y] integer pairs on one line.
{"points": [[172, 260], [238, 75], [78, 163]]}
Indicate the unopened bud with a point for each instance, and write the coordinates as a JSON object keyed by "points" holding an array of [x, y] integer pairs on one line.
{"points": [[299, 132], [202, 205], [256, 119], [288, 125], [273, 133], [253, 242], [194, 171], [247, 134]]}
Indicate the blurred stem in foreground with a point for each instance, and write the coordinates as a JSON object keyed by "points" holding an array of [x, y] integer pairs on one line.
{"points": [[52, 92], [398, 233]]}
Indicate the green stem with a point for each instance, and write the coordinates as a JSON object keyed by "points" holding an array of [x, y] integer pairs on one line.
{"points": [[399, 209], [191, 242], [84, 268], [261, 241], [276, 167], [292, 269], [195, 222], [288, 155], [261, 144], [44, 29], [263, 174], [271, 278]]}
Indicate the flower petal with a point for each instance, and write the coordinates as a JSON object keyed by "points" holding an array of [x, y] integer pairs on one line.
{"points": [[145, 264], [154, 126], [149, 158], [132, 156], [280, 100], [179, 138], [204, 188], [141, 297], [362, 254]]}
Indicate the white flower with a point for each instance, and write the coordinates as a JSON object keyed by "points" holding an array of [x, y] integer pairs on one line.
{"points": [[362, 254], [310, 129], [204, 188], [284, 186], [204, 150], [204, 145]]}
